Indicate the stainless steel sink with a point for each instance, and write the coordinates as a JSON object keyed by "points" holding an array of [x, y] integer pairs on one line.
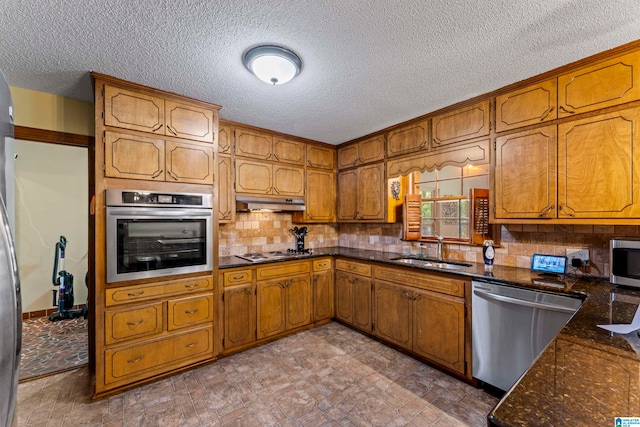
{"points": [[433, 264]]}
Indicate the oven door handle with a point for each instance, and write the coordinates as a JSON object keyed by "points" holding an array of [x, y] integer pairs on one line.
{"points": [[178, 241], [173, 213]]}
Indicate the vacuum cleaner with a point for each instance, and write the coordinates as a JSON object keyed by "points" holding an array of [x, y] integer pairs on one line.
{"points": [[64, 281]]}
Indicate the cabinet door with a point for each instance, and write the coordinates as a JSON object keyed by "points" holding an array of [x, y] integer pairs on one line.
{"points": [[606, 84], [322, 295], [133, 110], [239, 316], [525, 174], [438, 329], [253, 177], [225, 189], [133, 157], [271, 308], [408, 139], [130, 323], [320, 196], [371, 149], [371, 194], [597, 174], [189, 163], [299, 302], [460, 125], [189, 121], [288, 180], [344, 297], [348, 156], [361, 303], [347, 195], [527, 106], [287, 151], [225, 139], [392, 313], [320, 157], [253, 144]]}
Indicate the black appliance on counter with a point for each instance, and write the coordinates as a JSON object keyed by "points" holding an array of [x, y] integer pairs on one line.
{"points": [[300, 234]]}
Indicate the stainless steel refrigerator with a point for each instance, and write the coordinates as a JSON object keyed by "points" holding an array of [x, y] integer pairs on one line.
{"points": [[10, 299]]}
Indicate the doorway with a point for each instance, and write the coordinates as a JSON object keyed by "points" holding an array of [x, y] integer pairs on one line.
{"points": [[51, 192]]}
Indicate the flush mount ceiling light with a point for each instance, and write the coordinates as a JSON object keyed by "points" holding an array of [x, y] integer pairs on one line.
{"points": [[272, 64]]}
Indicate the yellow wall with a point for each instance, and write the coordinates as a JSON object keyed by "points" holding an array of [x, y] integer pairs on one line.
{"points": [[52, 112]]}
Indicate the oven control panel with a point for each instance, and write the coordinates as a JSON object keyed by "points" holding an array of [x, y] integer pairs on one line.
{"points": [[145, 198]]}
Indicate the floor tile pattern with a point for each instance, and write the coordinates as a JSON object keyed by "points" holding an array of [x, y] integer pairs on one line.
{"points": [[49, 347], [327, 376]]}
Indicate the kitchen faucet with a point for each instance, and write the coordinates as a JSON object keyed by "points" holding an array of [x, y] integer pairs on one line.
{"points": [[440, 243]]}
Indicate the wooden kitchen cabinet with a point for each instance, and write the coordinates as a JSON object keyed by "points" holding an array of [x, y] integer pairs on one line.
{"points": [[408, 139], [319, 157], [288, 151], [225, 139], [530, 105], [353, 294], [189, 311], [525, 174], [133, 322], [284, 297], [254, 177], [605, 84], [143, 111], [365, 151], [460, 125], [253, 144], [320, 197], [323, 295], [598, 158], [225, 183], [239, 315], [422, 313], [361, 194], [138, 157]]}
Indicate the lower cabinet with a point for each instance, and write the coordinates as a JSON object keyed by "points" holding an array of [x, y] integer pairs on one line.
{"points": [[322, 283], [239, 315], [283, 304], [427, 322], [353, 294]]}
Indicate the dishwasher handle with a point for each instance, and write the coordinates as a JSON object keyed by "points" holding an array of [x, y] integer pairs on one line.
{"points": [[552, 307]]}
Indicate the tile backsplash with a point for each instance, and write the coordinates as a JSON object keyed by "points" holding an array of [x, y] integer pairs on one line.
{"points": [[265, 231]]}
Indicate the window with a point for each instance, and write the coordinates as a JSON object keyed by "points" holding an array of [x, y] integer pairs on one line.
{"points": [[445, 199]]}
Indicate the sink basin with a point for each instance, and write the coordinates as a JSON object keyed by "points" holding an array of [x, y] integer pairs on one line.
{"points": [[421, 262]]}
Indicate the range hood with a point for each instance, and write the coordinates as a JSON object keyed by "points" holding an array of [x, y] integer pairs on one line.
{"points": [[276, 204]]}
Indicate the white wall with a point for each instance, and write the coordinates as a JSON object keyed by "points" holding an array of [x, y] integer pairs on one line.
{"points": [[51, 201]]}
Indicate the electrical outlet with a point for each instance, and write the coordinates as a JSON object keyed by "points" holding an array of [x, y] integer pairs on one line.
{"points": [[581, 254]]}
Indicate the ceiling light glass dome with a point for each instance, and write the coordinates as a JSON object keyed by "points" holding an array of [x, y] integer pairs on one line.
{"points": [[272, 64]]}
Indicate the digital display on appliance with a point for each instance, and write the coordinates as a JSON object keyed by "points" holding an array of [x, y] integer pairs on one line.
{"points": [[549, 263]]}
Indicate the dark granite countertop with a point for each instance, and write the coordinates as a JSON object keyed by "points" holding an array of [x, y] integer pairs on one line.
{"points": [[585, 376]]}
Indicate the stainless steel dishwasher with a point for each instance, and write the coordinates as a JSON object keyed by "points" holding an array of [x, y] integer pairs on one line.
{"points": [[510, 328]]}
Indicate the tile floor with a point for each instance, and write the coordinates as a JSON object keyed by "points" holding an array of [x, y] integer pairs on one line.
{"points": [[52, 346], [327, 376]]}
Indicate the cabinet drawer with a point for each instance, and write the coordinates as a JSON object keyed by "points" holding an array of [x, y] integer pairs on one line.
{"points": [[283, 269], [438, 284], [189, 311], [237, 277], [353, 267], [129, 294], [138, 322], [322, 264], [158, 356]]}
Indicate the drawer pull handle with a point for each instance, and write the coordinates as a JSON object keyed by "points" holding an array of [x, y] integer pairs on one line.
{"points": [[191, 311], [238, 277], [191, 286], [136, 323], [136, 360], [191, 345], [135, 294]]}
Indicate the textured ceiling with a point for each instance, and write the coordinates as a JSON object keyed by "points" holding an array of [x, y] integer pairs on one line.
{"points": [[366, 64]]}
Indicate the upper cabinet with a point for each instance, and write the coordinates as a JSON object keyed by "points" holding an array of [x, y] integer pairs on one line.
{"points": [[365, 151], [321, 157], [146, 112], [527, 106], [461, 124], [608, 83], [408, 139], [264, 146], [225, 139], [288, 151]]}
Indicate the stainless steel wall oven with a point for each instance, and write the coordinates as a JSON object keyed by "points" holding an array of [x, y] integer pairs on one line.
{"points": [[152, 234]]}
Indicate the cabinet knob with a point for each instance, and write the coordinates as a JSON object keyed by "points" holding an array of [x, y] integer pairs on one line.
{"points": [[546, 210], [565, 211], [157, 174]]}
